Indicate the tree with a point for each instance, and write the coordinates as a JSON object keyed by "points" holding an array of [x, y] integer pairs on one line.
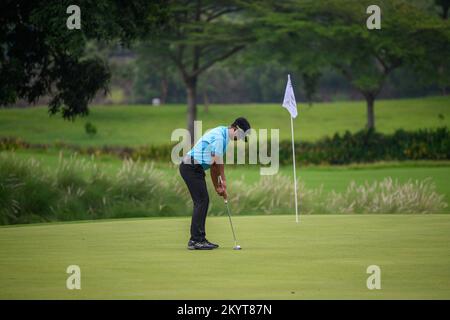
{"points": [[200, 34], [445, 6], [153, 73], [40, 56], [444, 77], [317, 34]]}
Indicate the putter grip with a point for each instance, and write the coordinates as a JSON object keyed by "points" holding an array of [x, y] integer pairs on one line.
{"points": [[219, 178]]}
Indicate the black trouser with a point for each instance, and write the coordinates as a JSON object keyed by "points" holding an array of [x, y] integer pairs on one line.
{"points": [[194, 176]]}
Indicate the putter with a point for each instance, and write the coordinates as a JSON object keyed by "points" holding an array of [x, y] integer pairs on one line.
{"points": [[236, 246]]}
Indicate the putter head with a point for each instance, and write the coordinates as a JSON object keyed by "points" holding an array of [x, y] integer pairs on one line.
{"points": [[238, 247]]}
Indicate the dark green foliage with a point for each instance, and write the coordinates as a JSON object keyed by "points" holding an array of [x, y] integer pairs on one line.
{"points": [[310, 82], [40, 56], [444, 6], [200, 34], [362, 146], [371, 146], [77, 84], [90, 129], [313, 35]]}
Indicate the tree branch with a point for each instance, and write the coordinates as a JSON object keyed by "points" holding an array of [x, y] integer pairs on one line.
{"points": [[221, 12], [387, 68], [219, 58], [344, 71], [178, 60]]}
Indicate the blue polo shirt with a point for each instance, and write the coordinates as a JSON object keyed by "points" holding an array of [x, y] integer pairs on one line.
{"points": [[214, 142]]}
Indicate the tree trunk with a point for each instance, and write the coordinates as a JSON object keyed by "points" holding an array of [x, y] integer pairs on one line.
{"points": [[164, 89], [206, 101], [445, 9], [370, 112], [191, 89], [441, 72]]}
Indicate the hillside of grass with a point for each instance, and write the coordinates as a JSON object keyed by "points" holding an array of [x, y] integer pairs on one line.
{"points": [[144, 125], [323, 257]]}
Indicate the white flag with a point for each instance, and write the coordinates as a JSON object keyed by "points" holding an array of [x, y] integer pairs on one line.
{"points": [[289, 99]]}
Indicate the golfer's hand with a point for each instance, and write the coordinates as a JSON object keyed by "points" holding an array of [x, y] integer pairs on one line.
{"points": [[220, 190]]}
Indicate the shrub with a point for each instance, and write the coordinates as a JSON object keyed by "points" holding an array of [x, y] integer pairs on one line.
{"points": [[359, 147], [371, 146], [90, 129]]}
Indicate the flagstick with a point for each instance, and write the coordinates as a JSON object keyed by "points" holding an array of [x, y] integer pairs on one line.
{"points": [[295, 175]]}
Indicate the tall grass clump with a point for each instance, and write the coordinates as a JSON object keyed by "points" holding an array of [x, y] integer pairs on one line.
{"points": [[387, 196], [78, 188], [274, 195], [25, 191], [269, 195]]}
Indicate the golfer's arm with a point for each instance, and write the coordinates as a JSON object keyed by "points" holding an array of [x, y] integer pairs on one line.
{"points": [[217, 169]]}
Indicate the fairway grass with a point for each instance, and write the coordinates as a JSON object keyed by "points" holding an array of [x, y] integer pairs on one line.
{"points": [[325, 256], [136, 125]]}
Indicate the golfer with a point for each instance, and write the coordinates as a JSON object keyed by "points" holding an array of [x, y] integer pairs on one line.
{"points": [[208, 153]]}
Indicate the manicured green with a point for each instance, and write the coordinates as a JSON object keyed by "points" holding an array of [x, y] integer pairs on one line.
{"points": [[322, 257], [143, 125]]}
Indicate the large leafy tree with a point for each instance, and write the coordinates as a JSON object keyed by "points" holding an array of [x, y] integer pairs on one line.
{"points": [[40, 56], [318, 34], [200, 34]]}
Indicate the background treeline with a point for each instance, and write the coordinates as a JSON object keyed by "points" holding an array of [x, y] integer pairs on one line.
{"points": [[200, 52], [136, 79]]}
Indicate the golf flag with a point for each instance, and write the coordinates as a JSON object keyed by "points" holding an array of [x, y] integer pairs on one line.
{"points": [[289, 99], [291, 105]]}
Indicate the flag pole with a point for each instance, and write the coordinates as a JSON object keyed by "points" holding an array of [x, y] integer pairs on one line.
{"points": [[295, 174]]}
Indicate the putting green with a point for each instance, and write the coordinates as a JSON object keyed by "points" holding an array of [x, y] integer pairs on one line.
{"points": [[325, 256]]}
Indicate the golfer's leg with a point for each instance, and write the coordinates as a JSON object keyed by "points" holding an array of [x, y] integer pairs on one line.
{"points": [[203, 210], [195, 181], [201, 202]]}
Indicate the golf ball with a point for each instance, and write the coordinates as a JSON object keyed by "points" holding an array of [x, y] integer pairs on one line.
{"points": [[238, 247]]}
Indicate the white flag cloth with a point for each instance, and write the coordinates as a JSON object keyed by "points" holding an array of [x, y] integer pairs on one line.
{"points": [[289, 99]]}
